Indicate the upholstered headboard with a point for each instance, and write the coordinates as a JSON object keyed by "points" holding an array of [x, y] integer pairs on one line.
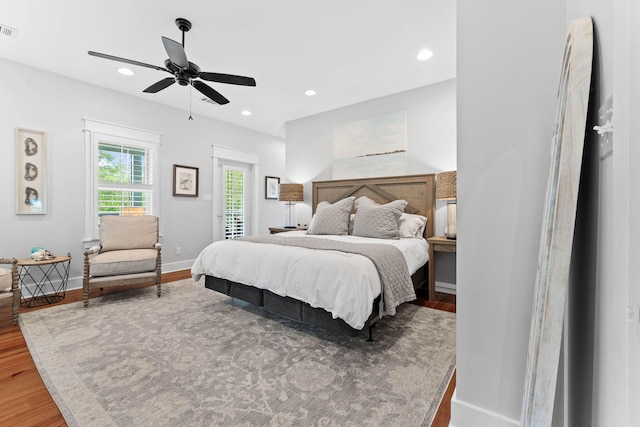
{"points": [[417, 190]]}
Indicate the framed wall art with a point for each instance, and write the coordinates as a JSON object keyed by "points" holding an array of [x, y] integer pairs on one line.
{"points": [[31, 168], [271, 184], [185, 181]]}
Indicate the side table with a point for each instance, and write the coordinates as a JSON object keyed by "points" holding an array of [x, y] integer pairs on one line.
{"points": [[51, 273], [437, 244]]}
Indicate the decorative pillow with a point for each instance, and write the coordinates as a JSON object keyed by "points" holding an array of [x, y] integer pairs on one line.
{"points": [[364, 201], [128, 232], [411, 226], [379, 221], [332, 218]]}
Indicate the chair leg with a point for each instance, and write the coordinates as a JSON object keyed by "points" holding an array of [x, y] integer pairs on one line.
{"points": [[85, 280]]}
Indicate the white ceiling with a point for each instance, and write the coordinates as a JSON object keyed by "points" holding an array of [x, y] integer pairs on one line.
{"points": [[347, 50]]}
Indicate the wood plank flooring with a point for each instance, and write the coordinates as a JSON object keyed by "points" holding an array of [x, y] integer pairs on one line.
{"points": [[25, 401]]}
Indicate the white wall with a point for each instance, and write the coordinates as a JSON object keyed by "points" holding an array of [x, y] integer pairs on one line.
{"points": [[509, 58], [431, 146], [431, 137], [598, 374], [40, 100], [626, 198]]}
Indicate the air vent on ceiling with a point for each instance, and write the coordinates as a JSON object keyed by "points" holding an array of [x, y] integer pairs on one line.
{"points": [[8, 31]]}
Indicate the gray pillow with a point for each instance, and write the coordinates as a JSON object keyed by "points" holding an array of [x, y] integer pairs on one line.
{"points": [[332, 218], [379, 221], [364, 201]]}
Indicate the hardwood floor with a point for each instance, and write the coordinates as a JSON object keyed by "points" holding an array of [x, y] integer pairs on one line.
{"points": [[25, 401]]}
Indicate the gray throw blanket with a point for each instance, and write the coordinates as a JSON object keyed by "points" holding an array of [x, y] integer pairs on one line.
{"points": [[388, 260]]}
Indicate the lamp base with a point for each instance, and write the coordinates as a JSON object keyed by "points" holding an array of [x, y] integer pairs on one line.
{"points": [[450, 229], [289, 215]]}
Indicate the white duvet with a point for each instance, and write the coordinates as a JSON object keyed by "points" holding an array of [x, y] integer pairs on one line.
{"points": [[343, 284]]}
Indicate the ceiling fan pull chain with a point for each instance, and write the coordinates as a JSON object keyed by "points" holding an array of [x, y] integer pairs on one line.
{"points": [[190, 90]]}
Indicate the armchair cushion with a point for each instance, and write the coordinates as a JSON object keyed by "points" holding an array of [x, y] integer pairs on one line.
{"points": [[5, 280], [113, 263], [128, 232]]}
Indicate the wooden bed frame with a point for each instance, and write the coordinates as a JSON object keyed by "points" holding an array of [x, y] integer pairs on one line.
{"points": [[417, 190]]}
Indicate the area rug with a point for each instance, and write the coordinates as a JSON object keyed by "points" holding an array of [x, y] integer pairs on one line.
{"points": [[196, 357]]}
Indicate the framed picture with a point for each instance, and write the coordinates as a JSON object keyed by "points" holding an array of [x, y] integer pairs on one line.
{"points": [[185, 181], [31, 172], [271, 184]]}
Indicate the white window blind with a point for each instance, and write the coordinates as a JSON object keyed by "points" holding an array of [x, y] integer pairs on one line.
{"points": [[234, 203], [125, 182]]}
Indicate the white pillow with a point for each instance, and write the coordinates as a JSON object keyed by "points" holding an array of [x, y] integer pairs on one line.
{"points": [[379, 221], [332, 218], [411, 226]]}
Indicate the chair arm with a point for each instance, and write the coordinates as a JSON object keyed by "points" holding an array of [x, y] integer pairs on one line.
{"points": [[92, 250], [158, 246]]}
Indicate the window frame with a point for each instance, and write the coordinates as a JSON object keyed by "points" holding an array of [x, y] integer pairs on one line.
{"points": [[96, 132]]}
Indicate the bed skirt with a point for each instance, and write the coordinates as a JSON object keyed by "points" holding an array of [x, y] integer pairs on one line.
{"points": [[297, 310]]}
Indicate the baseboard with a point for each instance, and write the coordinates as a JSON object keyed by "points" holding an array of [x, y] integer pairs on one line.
{"points": [[445, 287], [182, 269], [464, 414], [177, 266]]}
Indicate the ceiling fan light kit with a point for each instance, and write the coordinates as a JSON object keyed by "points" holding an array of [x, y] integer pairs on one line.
{"points": [[184, 72]]}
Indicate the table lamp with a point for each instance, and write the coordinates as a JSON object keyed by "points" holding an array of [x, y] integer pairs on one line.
{"points": [[290, 193], [446, 190]]}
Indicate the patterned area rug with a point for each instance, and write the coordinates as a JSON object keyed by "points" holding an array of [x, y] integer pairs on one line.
{"points": [[196, 357]]}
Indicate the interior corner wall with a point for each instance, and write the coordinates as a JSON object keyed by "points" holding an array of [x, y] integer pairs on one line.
{"points": [[431, 138], [509, 58], [41, 100]]}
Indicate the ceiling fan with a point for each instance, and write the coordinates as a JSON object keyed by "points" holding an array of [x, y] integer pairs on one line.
{"points": [[184, 72]]}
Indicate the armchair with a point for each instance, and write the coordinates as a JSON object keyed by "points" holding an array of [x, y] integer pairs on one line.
{"points": [[129, 253], [9, 289]]}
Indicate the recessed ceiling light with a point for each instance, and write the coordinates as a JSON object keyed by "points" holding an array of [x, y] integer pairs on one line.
{"points": [[246, 113], [310, 92], [425, 54], [125, 71]]}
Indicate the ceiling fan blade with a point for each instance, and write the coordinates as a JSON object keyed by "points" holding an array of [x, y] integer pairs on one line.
{"points": [[209, 92], [176, 52], [158, 86], [127, 61], [228, 78]]}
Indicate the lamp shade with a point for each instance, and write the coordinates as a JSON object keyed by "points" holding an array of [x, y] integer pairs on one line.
{"points": [[291, 193], [446, 185]]}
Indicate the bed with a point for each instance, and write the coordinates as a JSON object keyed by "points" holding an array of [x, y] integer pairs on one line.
{"points": [[326, 280]]}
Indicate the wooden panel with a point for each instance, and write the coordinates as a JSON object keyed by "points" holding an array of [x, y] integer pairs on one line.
{"points": [[417, 190]]}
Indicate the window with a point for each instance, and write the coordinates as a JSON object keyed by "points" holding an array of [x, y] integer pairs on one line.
{"points": [[125, 185], [234, 202], [121, 166]]}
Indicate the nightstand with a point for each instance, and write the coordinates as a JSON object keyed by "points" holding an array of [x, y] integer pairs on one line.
{"points": [[437, 244], [276, 230]]}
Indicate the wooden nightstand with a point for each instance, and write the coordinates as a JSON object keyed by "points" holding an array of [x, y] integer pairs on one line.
{"points": [[437, 244], [276, 230]]}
